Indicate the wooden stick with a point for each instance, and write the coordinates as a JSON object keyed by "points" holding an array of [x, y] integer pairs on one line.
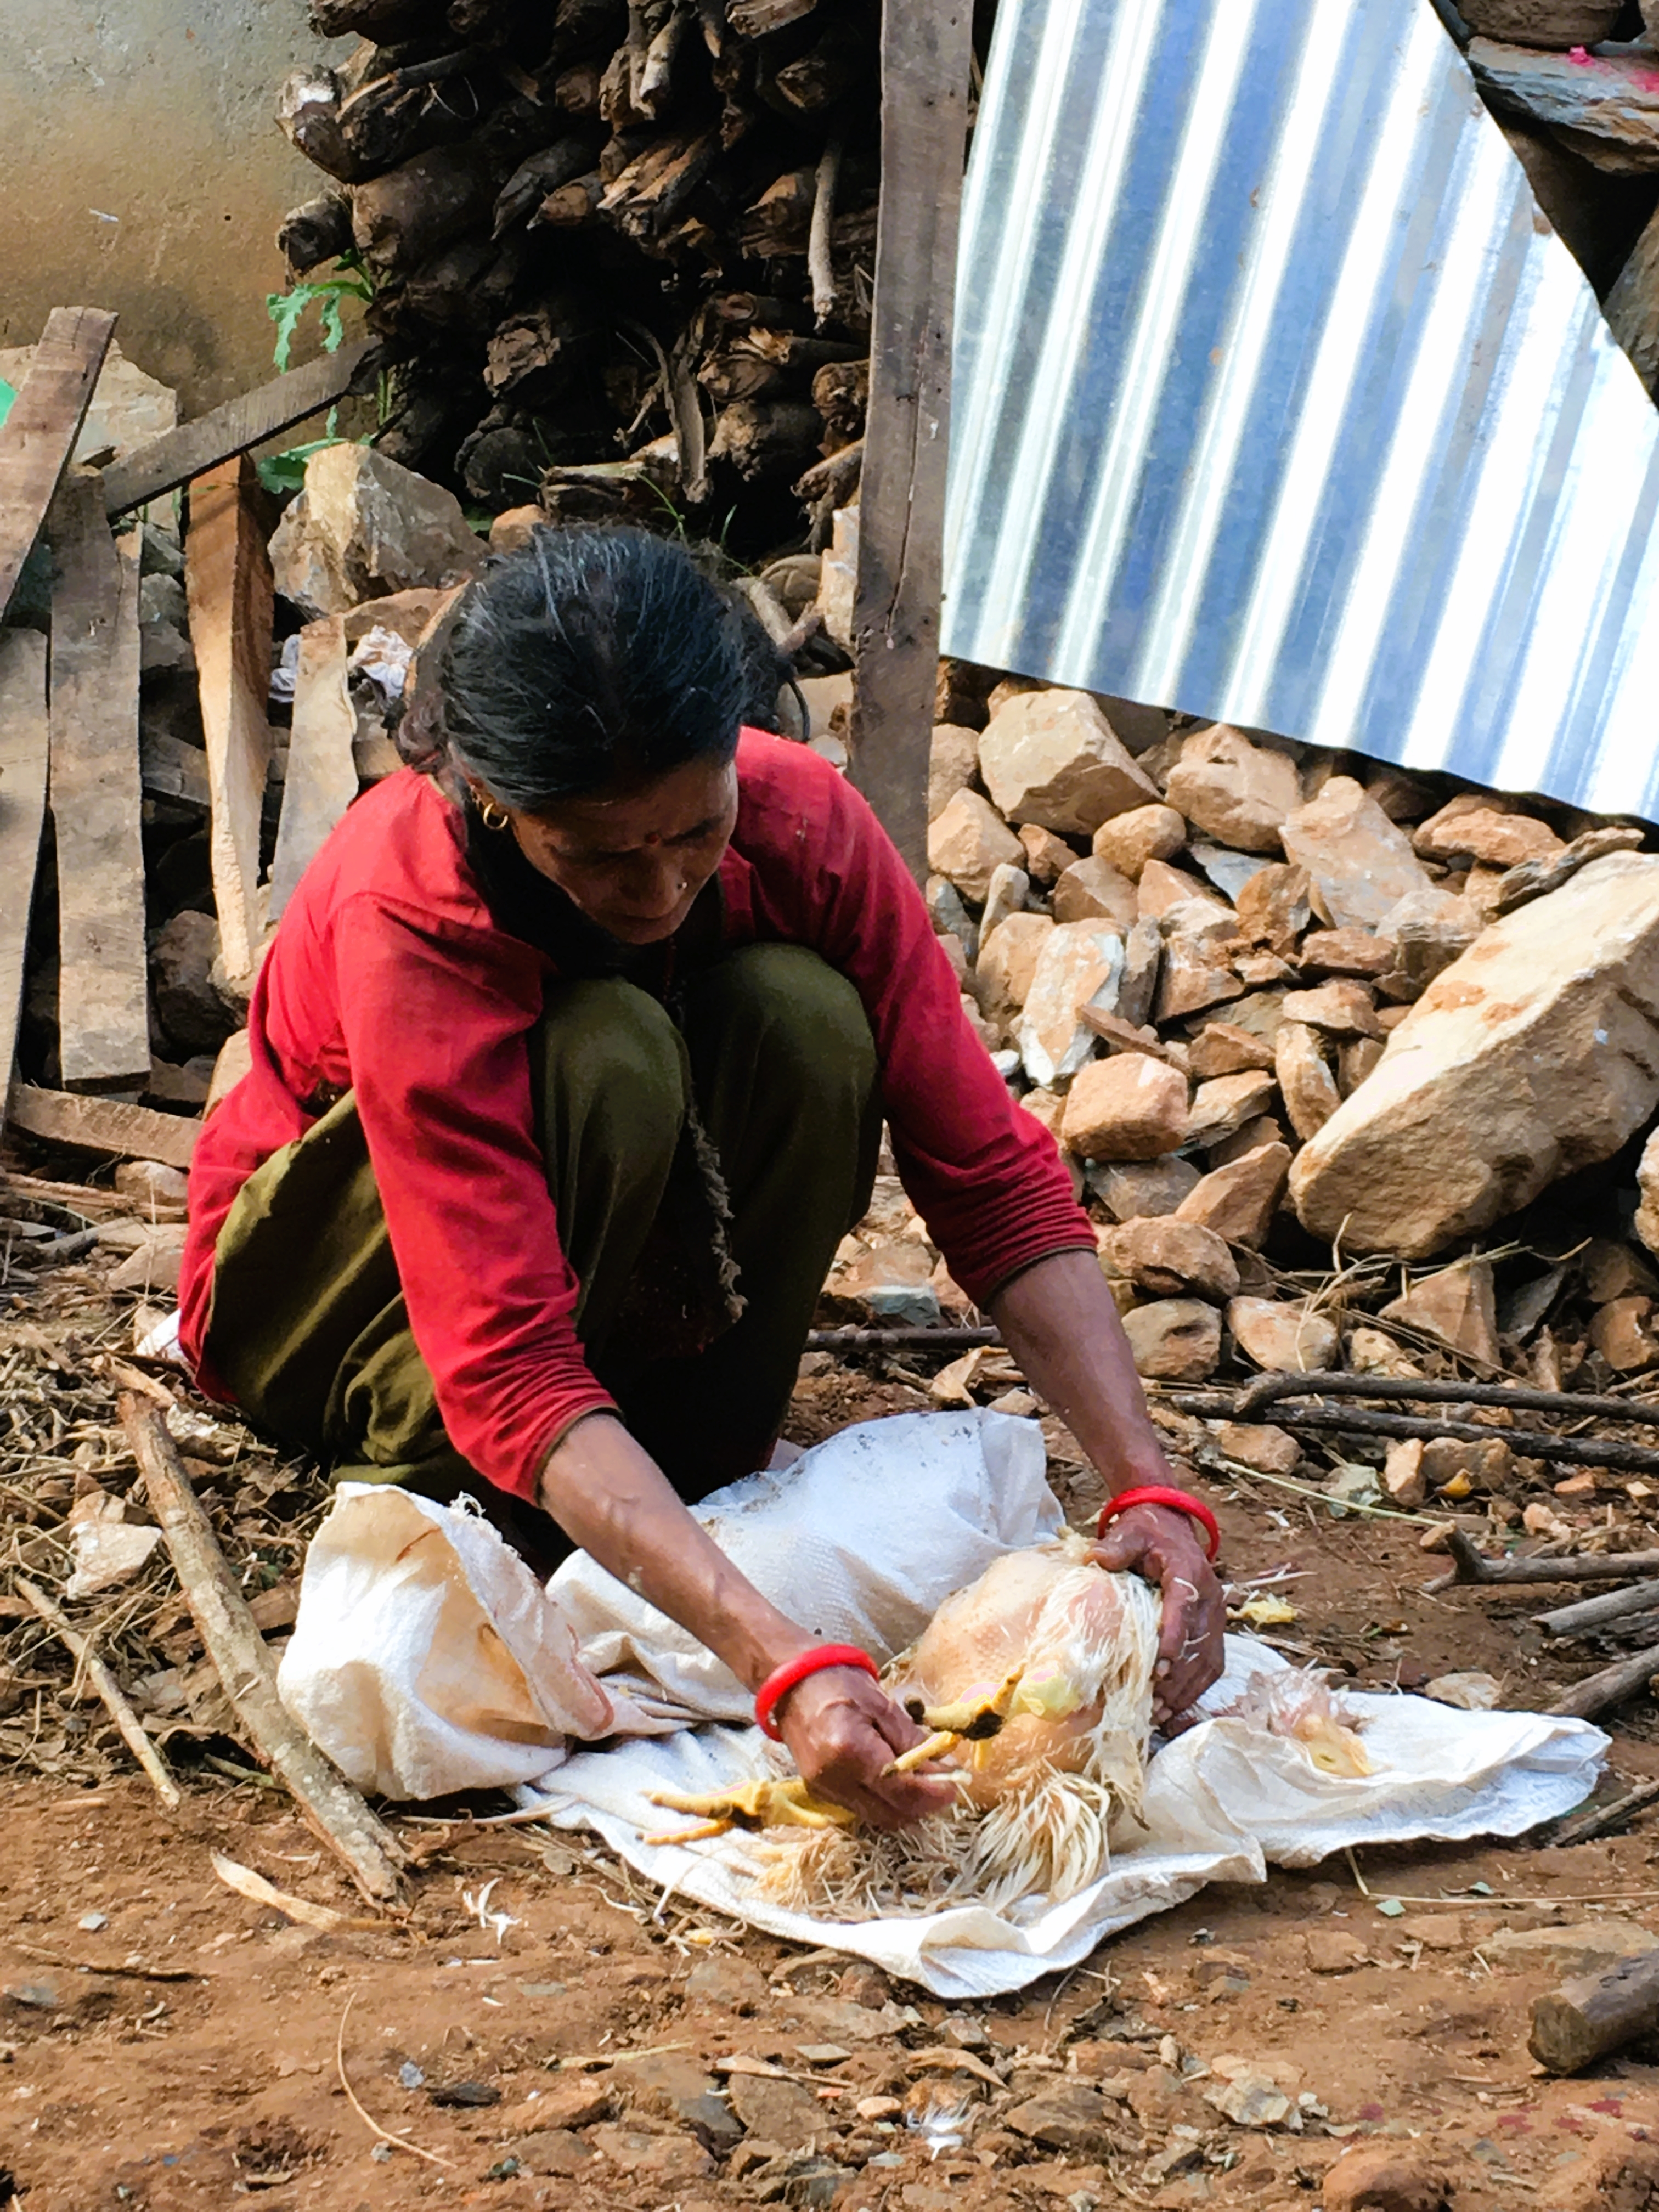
{"points": [[336, 1811], [1594, 2013], [195, 447], [40, 433], [818, 266], [1472, 1567], [1610, 1687], [1592, 1611], [1587, 1825], [109, 1690], [97, 796], [925, 54]]}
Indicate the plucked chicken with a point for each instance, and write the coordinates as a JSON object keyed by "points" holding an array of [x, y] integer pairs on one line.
{"points": [[1036, 1685]]}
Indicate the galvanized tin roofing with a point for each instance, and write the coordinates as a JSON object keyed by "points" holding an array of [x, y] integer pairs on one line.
{"points": [[1276, 399]]}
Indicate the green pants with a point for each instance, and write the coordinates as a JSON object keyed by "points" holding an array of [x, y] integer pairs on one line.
{"points": [[309, 1328]]}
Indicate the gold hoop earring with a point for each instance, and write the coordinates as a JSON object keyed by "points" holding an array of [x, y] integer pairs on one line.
{"points": [[492, 816]]}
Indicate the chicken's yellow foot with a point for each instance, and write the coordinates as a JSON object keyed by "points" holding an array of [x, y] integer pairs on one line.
{"points": [[975, 1719], [750, 1805]]}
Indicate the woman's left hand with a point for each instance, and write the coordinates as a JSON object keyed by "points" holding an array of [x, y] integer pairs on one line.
{"points": [[1164, 1545]]}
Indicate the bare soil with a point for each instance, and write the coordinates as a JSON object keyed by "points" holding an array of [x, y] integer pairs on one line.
{"points": [[169, 2044]]}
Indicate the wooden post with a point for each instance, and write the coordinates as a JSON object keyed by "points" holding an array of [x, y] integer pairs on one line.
{"points": [[322, 776], [40, 433], [925, 54], [97, 801], [23, 811], [228, 582]]}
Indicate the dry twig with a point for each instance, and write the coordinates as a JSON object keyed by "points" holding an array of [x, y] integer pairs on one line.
{"points": [[109, 1690]]}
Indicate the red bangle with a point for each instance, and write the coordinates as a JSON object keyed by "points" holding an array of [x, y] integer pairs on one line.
{"points": [[813, 1661], [1158, 1493]]}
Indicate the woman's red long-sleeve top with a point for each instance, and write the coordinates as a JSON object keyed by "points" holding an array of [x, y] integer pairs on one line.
{"points": [[388, 974]]}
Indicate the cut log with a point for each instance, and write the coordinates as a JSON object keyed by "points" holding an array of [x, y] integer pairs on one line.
{"points": [[1595, 2014], [1609, 107], [315, 231], [759, 436], [196, 448], [228, 581], [23, 744], [401, 219], [97, 801], [818, 79], [1596, 1612], [321, 780], [924, 58], [754, 19], [1632, 306], [38, 435], [107, 1126], [1610, 1687], [240, 1656]]}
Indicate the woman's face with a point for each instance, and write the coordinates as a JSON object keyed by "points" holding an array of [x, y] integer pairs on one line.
{"points": [[634, 863]]}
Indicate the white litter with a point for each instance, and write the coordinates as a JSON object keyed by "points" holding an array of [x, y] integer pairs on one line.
{"points": [[426, 1659]]}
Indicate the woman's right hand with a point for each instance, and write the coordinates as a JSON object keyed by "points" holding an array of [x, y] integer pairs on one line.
{"points": [[841, 1728]]}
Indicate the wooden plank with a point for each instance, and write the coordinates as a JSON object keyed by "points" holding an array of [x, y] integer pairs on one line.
{"points": [[22, 813], [225, 433], [227, 583], [103, 1018], [322, 777], [40, 433], [108, 1126], [925, 54]]}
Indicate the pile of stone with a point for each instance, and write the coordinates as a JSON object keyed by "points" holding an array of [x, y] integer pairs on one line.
{"points": [[1283, 1009]]}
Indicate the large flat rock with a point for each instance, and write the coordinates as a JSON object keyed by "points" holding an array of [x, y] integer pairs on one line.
{"points": [[1534, 1054]]}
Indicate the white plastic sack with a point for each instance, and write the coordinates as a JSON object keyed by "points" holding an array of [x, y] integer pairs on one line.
{"points": [[1223, 1801], [426, 1659], [858, 1539], [425, 1656]]}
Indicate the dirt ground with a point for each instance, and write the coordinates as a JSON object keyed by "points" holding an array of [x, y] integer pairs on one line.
{"points": [[168, 2045]]}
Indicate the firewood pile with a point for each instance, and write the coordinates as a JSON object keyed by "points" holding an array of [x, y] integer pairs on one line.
{"points": [[622, 254], [622, 260]]}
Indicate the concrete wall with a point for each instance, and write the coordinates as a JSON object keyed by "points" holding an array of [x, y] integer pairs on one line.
{"points": [[140, 170]]}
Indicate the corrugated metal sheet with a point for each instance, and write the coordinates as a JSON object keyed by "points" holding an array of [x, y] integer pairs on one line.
{"points": [[1277, 401]]}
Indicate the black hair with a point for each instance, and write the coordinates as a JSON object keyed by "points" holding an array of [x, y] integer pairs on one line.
{"points": [[589, 658]]}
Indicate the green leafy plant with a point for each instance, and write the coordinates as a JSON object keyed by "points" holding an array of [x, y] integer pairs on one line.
{"points": [[285, 471]]}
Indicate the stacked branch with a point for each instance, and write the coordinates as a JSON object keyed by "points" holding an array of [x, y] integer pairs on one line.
{"points": [[623, 257]]}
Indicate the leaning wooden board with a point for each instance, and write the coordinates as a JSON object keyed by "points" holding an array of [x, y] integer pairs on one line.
{"points": [[40, 433], [23, 810], [108, 1126], [223, 433], [97, 802], [228, 582]]}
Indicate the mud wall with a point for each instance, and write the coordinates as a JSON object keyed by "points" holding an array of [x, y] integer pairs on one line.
{"points": [[140, 170]]}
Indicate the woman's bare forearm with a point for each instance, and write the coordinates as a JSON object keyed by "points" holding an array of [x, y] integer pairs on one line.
{"points": [[1061, 1323], [610, 1496]]}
